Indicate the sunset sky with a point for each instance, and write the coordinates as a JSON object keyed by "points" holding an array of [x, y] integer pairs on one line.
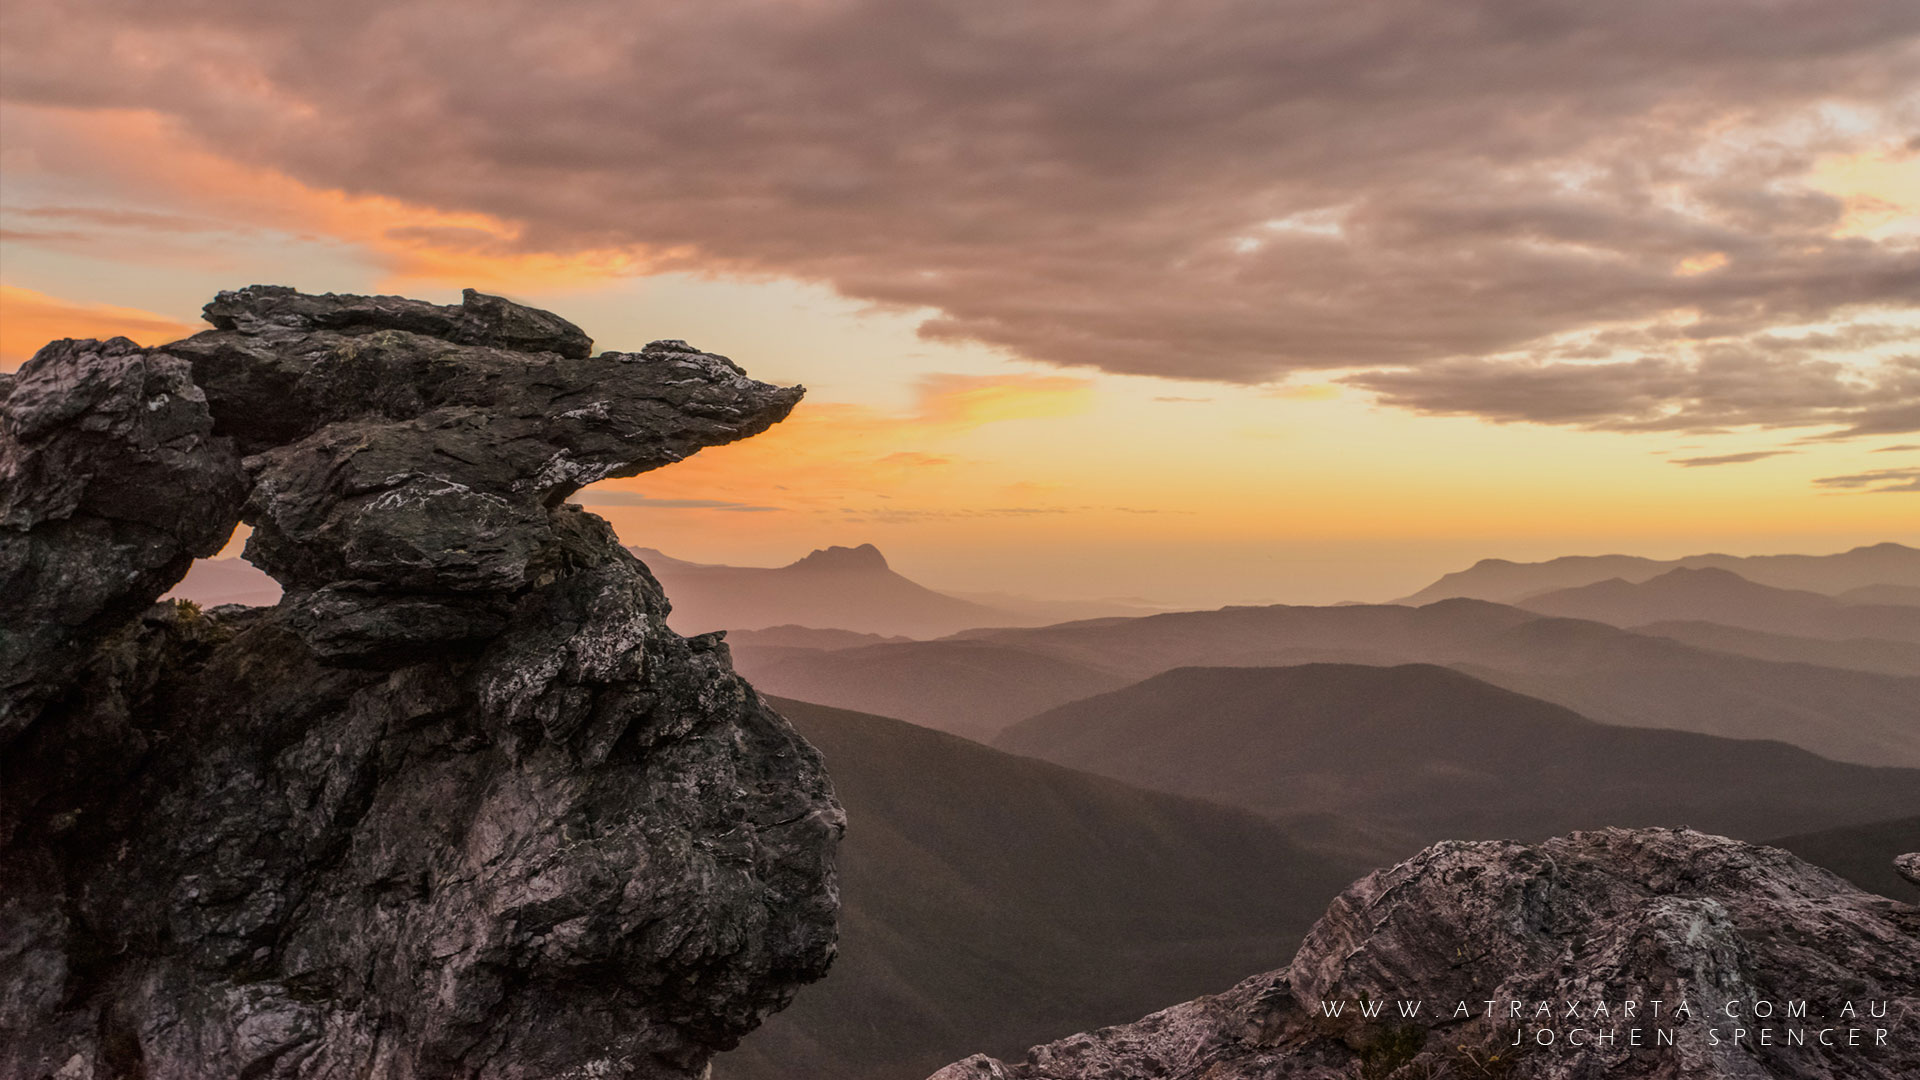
{"points": [[1199, 302]]}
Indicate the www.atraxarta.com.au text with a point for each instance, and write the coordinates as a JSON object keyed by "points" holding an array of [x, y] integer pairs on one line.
{"points": [[1619, 1023]]}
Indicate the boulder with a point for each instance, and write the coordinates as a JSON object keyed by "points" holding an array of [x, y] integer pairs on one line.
{"points": [[1617, 953]]}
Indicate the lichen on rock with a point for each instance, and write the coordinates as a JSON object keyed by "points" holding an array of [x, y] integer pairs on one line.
{"points": [[461, 804]]}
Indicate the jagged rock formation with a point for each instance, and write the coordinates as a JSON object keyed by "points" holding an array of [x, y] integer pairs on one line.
{"points": [[461, 804], [1485, 936], [111, 484]]}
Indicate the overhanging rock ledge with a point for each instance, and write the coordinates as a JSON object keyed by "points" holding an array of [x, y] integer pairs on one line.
{"points": [[461, 804]]}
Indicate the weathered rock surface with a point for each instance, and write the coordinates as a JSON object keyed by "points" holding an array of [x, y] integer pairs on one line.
{"points": [[461, 804], [1486, 935], [111, 484]]}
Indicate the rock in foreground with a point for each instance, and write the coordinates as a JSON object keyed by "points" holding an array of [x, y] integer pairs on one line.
{"points": [[1520, 957], [461, 804]]}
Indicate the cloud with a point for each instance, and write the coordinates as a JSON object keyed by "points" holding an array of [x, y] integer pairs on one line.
{"points": [[30, 319], [1878, 480], [1223, 189], [616, 497], [121, 218], [1728, 459], [1720, 389], [1896, 448]]}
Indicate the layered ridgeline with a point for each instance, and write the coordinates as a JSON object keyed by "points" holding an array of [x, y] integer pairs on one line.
{"points": [[1855, 654], [1438, 967], [1881, 573], [1420, 753], [970, 688], [990, 901], [460, 804], [1727, 599], [981, 682]]}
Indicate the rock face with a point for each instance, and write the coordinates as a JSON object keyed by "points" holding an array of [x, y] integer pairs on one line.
{"points": [[111, 484], [461, 804], [1498, 941]]}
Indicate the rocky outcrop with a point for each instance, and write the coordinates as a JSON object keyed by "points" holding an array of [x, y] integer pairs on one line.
{"points": [[461, 804], [111, 483], [1620, 953]]}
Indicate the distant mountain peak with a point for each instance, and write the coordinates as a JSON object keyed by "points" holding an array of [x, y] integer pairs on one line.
{"points": [[1506, 581], [865, 557], [1697, 574]]}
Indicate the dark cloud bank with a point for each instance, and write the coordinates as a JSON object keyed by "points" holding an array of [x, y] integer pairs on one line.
{"points": [[1436, 193]]}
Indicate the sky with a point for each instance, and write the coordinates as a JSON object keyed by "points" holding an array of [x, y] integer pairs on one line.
{"points": [[1194, 302]]}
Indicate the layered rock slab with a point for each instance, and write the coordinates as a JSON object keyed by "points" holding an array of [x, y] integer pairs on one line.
{"points": [[1472, 930], [461, 805]]}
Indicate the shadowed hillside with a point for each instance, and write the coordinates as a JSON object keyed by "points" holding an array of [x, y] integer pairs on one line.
{"points": [[993, 900], [1882, 594], [1855, 654], [1863, 854], [1602, 672], [1437, 754], [970, 688]]}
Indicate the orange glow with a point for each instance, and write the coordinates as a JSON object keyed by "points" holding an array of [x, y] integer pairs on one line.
{"points": [[970, 400], [414, 243], [1699, 264], [828, 452], [30, 319], [1881, 189], [1305, 392]]}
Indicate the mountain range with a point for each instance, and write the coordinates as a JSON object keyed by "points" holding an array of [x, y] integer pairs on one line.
{"points": [[1506, 581], [1858, 654], [1724, 597], [843, 588], [1708, 651], [1604, 673], [1434, 754], [970, 688]]}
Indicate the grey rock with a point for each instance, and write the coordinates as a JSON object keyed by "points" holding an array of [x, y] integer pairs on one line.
{"points": [[1908, 866], [1613, 916], [112, 482], [480, 319], [461, 804], [385, 459]]}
